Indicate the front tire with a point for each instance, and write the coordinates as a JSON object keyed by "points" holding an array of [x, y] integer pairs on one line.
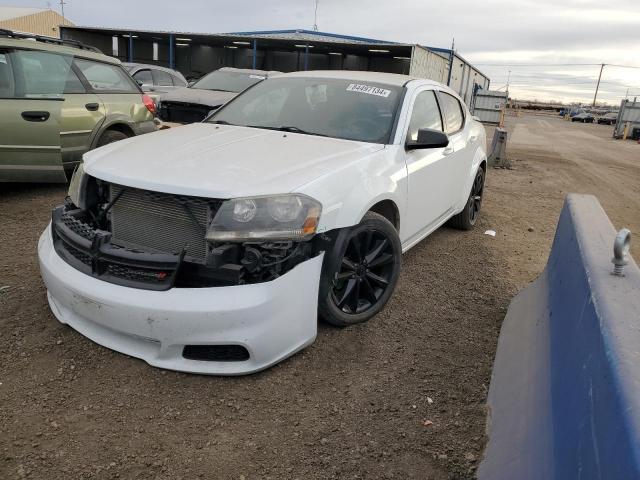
{"points": [[360, 273], [467, 218]]}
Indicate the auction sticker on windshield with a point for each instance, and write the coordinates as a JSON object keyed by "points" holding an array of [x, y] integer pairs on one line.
{"points": [[368, 89]]}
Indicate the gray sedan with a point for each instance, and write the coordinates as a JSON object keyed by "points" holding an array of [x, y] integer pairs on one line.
{"points": [[155, 80]]}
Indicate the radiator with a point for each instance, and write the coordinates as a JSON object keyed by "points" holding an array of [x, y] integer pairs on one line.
{"points": [[161, 222]]}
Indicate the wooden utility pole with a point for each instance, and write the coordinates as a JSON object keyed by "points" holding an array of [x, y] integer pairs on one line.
{"points": [[598, 85]]}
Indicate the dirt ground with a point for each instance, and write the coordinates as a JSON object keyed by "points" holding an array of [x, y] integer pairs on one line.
{"points": [[400, 397]]}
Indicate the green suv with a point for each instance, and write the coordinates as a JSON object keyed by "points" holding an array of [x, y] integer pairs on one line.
{"points": [[59, 99]]}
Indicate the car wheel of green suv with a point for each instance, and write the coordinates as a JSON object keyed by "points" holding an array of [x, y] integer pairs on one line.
{"points": [[111, 136]]}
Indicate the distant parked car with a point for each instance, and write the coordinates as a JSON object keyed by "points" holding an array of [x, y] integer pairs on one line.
{"points": [[155, 80], [59, 99], [583, 118], [608, 118], [193, 103]]}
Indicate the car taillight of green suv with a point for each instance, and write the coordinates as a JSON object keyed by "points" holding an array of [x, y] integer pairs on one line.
{"points": [[59, 100]]}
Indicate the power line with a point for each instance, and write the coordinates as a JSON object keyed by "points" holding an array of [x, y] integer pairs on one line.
{"points": [[555, 65], [538, 64], [621, 66]]}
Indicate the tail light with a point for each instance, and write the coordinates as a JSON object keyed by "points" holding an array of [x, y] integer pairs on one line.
{"points": [[149, 103]]}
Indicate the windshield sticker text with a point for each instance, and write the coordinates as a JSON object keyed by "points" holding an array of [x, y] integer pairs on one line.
{"points": [[368, 89]]}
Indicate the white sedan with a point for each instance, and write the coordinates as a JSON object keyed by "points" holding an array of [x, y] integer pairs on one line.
{"points": [[214, 248]]}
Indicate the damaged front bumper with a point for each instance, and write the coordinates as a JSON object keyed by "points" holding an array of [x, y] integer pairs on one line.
{"points": [[227, 330]]}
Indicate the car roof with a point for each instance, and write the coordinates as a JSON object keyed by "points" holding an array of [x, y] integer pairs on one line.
{"points": [[135, 65], [394, 79], [249, 71], [56, 48]]}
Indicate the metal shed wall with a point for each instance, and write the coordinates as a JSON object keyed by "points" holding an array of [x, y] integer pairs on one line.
{"points": [[629, 113], [464, 77], [488, 105], [427, 64]]}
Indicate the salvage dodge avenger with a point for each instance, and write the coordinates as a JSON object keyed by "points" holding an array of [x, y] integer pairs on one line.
{"points": [[215, 247]]}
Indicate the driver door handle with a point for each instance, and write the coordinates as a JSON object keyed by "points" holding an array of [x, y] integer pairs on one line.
{"points": [[447, 151], [36, 116]]}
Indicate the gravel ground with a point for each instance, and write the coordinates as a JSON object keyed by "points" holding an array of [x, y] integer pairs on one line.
{"points": [[400, 397]]}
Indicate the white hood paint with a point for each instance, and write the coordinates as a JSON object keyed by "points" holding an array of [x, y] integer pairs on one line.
{"points": [[222, 161]]}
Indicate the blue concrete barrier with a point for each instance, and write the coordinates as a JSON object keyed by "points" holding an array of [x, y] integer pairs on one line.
{"points": [[564, 401]]}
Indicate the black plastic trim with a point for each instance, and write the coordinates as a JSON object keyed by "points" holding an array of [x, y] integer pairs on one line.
{"points": [[216, 353]]}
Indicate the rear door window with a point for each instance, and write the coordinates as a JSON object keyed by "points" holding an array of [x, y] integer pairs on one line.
{"points": [[452, 112], [7, 85], [43, 75], [143, 77], [178, 82], [106, 78], [162, 78]]}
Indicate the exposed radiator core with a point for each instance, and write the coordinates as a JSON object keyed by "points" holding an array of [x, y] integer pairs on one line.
{"points": [[161, 222]]}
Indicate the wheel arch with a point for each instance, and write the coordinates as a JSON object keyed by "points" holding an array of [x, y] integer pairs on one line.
{"points": [[479, 161], [389, 210], [121, 127], [117, 123]]}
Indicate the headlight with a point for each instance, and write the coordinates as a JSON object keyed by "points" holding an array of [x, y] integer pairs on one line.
{"points": [[278, 217], [77, 186]]}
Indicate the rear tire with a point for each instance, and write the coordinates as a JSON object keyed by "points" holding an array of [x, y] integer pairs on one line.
{"points": [[467, 218], [111, 136], [360, 273]]}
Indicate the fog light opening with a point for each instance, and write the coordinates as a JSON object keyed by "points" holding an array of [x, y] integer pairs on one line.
{"points": [[216, 353]]}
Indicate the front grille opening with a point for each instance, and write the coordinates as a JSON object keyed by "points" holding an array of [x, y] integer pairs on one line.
{"points": [[83, 229], [216, 353], [81, 256], [137, 274]]}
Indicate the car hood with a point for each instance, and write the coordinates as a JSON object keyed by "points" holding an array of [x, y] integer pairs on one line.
{"points": [[211, 98], [222, 161]]}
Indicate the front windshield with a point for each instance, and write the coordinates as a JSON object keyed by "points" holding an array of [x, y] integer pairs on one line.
{"points": [[234, 82], [362, 111]]}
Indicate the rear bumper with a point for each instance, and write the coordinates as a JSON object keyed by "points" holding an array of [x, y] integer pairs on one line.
{"points": [[272, 320], [144, 127]]}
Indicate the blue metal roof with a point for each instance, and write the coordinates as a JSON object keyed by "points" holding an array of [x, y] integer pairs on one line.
{"points": [[302, 32]]}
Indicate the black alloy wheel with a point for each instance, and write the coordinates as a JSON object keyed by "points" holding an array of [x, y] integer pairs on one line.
{"points": [[468, 217], [475, 199], [365, 270]]}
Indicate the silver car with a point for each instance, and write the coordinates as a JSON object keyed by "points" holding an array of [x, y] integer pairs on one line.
{"points": [[155, 80]]}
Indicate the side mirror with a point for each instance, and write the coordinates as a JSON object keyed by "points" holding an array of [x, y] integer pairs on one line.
{"points": [[428, 138]]}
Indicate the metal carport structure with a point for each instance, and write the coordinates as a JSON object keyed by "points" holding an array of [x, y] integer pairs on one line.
{"points": [[195, 54]]}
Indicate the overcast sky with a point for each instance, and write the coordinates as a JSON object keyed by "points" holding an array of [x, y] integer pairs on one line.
{"points": [[486, 32]]}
